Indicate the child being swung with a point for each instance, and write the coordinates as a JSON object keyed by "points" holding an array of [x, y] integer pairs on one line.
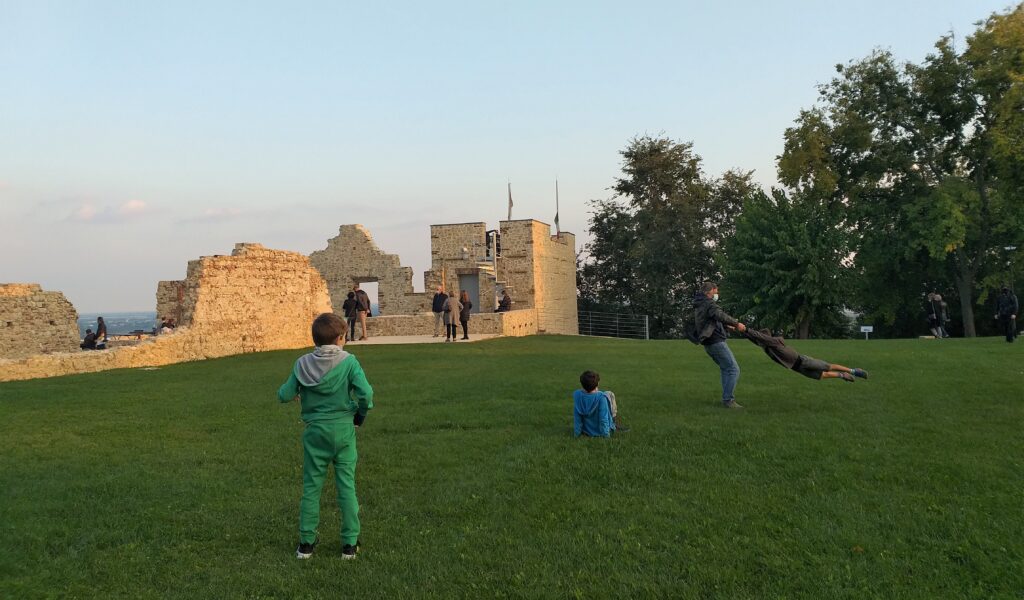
{"points": [[335, 398]]}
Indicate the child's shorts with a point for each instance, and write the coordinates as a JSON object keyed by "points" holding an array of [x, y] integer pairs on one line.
{"points": [[810, 367]]}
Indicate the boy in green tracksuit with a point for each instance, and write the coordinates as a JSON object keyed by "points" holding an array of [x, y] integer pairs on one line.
{"points": [[335, 397]]}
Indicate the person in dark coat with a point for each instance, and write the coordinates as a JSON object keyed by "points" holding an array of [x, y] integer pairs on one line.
{"points": [[437, 307], [89, 343], [350, 308], [362, 309], [710, 322], [101, 334], [505, 304], [778, 351], [464, 313], [933, 312], [1006, 311]]}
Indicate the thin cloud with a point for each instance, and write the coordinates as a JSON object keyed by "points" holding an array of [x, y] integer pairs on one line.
{"points": [[89, 212], [214, 215]]}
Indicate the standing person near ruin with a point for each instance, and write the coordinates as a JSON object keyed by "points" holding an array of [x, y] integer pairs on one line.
{"points": [[362, 309], [452, 308], [464, 313], [437, 306], [710, 321], [349, 308]]}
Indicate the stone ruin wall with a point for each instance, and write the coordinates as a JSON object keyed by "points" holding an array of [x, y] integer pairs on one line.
{"points": [[33, 321], [448, 259], [555, 281], [255, 300], [353, 257]]}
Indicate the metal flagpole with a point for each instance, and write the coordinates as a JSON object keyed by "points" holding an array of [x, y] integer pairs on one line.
{"points": [[558, 230]]}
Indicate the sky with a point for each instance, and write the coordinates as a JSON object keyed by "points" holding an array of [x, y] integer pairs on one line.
{"points": [[137, 136]]}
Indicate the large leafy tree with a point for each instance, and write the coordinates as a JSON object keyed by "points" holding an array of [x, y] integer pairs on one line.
{"points": [[925, 163], [656, 239], [785, 265]]}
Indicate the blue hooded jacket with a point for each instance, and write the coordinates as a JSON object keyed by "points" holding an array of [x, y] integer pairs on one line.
{"points": [[592, 414]]}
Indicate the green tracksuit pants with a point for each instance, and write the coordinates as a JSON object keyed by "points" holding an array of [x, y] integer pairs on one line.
{"points": [[323, 444]]}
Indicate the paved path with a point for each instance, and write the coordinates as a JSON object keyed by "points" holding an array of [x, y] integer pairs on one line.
{"points": [[418, 339]]}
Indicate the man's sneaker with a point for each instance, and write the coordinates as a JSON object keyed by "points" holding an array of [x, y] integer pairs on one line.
{"points": [[348, 551], [845, 376], [860, 373], [306, 550], [620, 427], [732, 404]]}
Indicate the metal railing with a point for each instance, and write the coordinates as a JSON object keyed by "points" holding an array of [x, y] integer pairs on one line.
{"points": [[619, 325]]}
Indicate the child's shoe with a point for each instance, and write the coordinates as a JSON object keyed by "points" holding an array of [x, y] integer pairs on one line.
{"points": [[860, 373], [348, 551], [305, 550], [845, 376]]}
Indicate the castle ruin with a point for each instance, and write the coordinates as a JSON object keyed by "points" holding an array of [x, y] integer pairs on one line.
{"points": [[536, 268]]}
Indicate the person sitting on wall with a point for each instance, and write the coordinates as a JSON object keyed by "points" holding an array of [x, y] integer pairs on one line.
{"points": [[506, 302], [101, 334], [89, 343], [594, 412]]}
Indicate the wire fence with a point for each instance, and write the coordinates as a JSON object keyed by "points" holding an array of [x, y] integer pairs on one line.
{"points": [[619, 325]]}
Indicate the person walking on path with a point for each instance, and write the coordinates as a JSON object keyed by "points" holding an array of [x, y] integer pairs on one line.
{"points": [[1006, 311], [437, 306], [452, 308], [362, 308], [933, 310], [710, 321], [464, 313]]}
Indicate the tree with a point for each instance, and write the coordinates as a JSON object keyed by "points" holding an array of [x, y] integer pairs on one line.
{"points": [[656, 239], [924, 162], [784, 267]]}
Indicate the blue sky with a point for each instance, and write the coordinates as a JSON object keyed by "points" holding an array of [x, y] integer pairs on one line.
{"points": [[137, 136]]}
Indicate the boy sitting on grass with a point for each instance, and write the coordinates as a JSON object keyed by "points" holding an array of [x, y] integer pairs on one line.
{"points": [[805, 365], [594, 412], [335, 397]]}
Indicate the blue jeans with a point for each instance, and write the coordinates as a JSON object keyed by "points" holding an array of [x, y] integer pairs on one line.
{"points": [[722, 355]]}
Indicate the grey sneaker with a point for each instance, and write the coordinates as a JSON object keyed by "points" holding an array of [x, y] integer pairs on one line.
{"points": [[732, 404], [845, 376]]}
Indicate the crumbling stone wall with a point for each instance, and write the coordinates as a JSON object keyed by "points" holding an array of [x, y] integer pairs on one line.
{"points": [[353, 257], [33, 321], [257, 299]]}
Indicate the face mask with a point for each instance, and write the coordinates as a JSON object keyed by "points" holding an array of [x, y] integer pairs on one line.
{"points": [[715, 297]]}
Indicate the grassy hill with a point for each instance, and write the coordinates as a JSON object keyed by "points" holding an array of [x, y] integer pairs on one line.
{"points": [[184, 481]]}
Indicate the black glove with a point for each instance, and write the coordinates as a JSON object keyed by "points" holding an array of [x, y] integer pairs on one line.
{"points": [[358, 419]]}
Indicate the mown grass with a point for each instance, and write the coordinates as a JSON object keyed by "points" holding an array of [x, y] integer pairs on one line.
{"points": [[184, 481]]}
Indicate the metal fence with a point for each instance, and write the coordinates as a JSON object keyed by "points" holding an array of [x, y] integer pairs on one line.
{"points": [[619, 325]]}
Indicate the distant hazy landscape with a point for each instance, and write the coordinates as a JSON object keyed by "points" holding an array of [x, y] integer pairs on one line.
{"points": [[118, 322]]}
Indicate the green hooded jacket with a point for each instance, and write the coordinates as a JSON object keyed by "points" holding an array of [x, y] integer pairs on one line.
{"points": [[331, 386]]}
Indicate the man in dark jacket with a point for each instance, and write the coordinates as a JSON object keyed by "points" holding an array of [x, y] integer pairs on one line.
{"points": [[1006, 312], [437, 306], [710, 321], [362, 308]]}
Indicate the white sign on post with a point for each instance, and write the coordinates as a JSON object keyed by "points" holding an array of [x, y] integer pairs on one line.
{"points": [[866, 329]]}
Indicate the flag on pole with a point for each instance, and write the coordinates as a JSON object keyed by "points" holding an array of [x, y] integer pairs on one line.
{"points": [[558, 231], [510, 201]]}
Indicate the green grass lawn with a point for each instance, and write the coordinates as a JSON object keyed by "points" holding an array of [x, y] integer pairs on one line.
{"points": [[185, 481]]}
